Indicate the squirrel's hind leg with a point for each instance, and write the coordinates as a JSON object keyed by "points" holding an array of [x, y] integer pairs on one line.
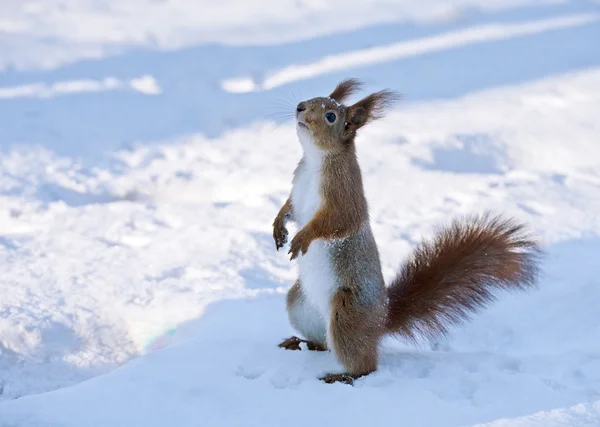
{"points": [[355, 331], [306, 320]]}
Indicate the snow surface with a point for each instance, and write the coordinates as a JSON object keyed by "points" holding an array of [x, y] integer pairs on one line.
{"points": [[140, 284], [144, 84], [46, 33], [379, 54]]}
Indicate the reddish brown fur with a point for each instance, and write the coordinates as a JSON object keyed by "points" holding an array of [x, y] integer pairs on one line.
{"points": [[355, 330], [293, 295], [345, 89], [368, 109], [344, 207], [338, 136], [447, 279], [280, 233]]}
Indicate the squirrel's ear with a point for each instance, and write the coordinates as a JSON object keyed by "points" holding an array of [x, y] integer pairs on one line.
{"points": [[369, 108], [345, 89]]}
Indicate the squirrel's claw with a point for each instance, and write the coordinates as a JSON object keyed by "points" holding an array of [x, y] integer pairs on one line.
{"points": [[294, 252], [300, 244], [280, 235]]}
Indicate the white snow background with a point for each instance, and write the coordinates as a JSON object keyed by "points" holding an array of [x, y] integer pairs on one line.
{"points": [[144, 154]]}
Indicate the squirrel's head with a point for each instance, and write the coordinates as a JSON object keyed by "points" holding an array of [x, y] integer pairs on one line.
{"points": [[329, 125]]}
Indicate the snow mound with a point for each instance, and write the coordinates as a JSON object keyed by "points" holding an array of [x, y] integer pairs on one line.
{"points": [[162, 263]]}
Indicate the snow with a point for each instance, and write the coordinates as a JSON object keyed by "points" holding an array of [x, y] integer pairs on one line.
{"points": [[36, 33], [379, 54], [144, 84], [140, 282], [582, 415]]}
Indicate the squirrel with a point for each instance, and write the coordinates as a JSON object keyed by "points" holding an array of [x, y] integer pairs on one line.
{"points": [[340, 301]]}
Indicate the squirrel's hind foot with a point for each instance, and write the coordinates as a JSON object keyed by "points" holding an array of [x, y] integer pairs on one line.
{"points": [[345, 378], [293, 343]]}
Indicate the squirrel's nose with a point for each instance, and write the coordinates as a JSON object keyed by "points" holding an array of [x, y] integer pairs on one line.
{"points": [[301, 107]]}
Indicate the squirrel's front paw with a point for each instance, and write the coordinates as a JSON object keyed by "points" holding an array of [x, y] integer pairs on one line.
{"points": [[280, 235], [300, 243]]}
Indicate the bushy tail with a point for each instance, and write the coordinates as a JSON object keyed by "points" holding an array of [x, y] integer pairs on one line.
{"points": [[453, 275]]}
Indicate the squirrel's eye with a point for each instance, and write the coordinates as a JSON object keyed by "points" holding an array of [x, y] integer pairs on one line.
{"points": [[330, 117]]}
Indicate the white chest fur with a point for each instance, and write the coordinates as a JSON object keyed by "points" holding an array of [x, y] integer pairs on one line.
{"points": [[306, 192], [316, 272]]}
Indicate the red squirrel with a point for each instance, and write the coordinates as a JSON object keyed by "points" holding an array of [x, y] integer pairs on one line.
{"points": [[340, 301]]}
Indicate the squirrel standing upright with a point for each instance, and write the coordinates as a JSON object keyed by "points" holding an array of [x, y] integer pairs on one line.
{"points": [[340, 301]]}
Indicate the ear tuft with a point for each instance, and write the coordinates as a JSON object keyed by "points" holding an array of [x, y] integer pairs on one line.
{"points": [[371, 108], [345, 89], [377, 103]]}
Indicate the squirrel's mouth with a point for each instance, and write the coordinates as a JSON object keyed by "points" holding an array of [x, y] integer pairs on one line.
{"points": [[302, 125]]}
